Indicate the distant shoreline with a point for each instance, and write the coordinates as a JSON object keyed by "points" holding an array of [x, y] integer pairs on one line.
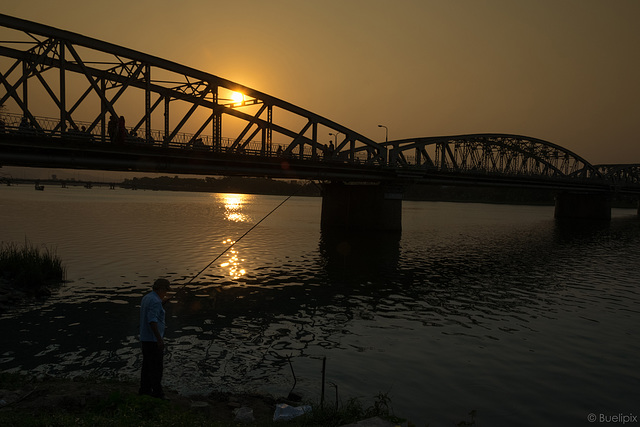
{"points": [[267, 186]]}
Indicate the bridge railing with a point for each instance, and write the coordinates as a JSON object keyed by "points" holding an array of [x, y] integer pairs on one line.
{"points": [[50, 127], [47, 128], [490, 156]]}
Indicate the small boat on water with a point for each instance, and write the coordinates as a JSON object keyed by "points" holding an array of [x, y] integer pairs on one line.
{"points": [[39, 187]]}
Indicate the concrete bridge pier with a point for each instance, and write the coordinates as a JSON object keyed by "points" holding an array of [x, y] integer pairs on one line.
{"points": [[361, 207], [582, 205]]}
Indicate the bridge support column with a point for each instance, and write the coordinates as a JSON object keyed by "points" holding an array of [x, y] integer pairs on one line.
{"points": [[570, 205], [361, 207]]}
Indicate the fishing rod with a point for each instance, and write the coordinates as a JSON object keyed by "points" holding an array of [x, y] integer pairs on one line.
{"points": [[230, 246]]}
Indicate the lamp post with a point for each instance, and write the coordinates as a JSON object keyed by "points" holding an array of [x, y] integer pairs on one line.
{"points": [[335, 135], [386, 132]]}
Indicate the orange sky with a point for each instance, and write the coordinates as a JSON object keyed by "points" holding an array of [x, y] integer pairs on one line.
{"points": [[565, 71]]}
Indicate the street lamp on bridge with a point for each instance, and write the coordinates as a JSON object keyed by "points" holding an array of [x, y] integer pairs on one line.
{"points": [[335, 135], [386, 132]]}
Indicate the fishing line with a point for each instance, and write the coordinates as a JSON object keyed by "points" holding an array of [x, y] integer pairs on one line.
{"points": [[231, 245]]}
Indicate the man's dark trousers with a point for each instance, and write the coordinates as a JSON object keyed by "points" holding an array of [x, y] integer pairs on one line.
{"points": [[152, 366]]}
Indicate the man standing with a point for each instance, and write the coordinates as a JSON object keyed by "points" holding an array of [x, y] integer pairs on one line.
{"points": [[151, 335]]}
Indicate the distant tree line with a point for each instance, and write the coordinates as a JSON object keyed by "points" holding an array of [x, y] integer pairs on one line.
{"points": [[425, 192], [307, 188], [224, 185]]}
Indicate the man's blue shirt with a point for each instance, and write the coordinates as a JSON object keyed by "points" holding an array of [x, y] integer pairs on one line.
{"points": [[151, 310]]}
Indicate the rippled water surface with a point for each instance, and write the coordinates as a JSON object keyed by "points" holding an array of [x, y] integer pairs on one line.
{"points": [[492, 308]]}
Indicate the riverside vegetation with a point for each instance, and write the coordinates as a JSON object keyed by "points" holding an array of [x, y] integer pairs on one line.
{"points": [[92, 402], [28, 270]]}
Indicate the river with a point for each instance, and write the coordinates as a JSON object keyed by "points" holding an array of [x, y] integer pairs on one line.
{"points": [[494, 308]]}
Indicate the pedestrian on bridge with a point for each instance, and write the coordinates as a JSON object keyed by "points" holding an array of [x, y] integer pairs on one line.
{"points": [[121, 134], [112, 129]]}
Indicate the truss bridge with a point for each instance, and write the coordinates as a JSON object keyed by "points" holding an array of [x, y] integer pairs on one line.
{"points": [[71, 101]]}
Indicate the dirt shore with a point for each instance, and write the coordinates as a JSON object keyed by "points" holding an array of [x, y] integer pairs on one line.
{"points": [[94, 402], [49, 395]]}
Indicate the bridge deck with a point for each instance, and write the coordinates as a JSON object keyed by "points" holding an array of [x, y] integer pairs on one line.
{"points": [[81, 78]]}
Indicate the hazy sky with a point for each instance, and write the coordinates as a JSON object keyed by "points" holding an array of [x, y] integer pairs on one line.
{"points": [[566, 71]]}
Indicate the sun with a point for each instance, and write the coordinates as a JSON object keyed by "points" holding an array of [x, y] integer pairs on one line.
{"points": [[237, 97]]}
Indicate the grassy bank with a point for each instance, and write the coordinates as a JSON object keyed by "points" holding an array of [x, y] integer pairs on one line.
{"points": [[30, 267], [91, 402]]}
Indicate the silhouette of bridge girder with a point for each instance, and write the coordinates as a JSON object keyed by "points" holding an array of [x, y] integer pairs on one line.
{"points": [[43, 147], [53, 58], [502, 154], [500, 159], [623, 176], [85, 81]]}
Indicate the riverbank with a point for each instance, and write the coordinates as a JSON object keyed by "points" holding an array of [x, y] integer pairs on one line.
{"points": [[9, 295], [12, 295], [27, 271], [51, 401]]}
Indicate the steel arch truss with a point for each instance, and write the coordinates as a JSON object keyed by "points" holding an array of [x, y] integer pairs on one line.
{"points": [[622, 176], [492, 154], [88, 80]]}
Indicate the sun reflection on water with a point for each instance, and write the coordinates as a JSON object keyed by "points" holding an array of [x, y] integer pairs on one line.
{"points": [[233, 204], [233, 263]]}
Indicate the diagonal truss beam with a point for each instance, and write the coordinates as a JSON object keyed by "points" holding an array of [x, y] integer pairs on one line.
{"points": [[127, 70]]}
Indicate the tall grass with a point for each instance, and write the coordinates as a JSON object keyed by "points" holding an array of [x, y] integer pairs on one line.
{"points": [[30, 267]]}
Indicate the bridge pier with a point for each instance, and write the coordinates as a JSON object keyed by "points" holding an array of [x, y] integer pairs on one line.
{"points": [[361, 207], [574, 205]]}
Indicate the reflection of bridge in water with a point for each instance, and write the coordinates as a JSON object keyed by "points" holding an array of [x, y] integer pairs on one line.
{"points": [[90, 85]]}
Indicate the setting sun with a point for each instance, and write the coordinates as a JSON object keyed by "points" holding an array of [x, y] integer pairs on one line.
{"points": [[237, 97]]}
